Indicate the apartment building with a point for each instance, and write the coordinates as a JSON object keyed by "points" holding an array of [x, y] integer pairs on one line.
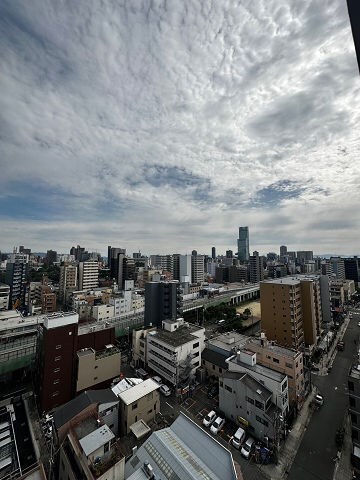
{"points": [[277, 382], [162, 302], [197, 268], [283, 360], [291, 310], [256, 267], [139, 350], [68, 279], [174, 352], [88, 275], [17, 268]]}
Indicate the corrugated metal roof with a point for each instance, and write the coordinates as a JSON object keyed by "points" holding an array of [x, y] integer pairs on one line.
{"points": [[96, 439], [138, 391]]}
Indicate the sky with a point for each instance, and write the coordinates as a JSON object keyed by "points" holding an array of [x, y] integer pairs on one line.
{"points": [[164, 125]]}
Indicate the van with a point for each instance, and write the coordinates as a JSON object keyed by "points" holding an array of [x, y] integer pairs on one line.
{"points": [[246, 448], [238, 437]]}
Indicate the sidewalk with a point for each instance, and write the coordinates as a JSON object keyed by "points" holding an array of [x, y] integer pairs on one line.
{"points": [[343, 469], [289, 449]]}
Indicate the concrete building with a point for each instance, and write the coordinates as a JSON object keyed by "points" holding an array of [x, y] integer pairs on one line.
{"points": [[248, 403], [291, 310], [197, 268], [182, 451], [139, 402], [256, 264], [88, 275], [162, 302], [174, 352], [102, 312], [4, 296], [277, 382], [185, 266], [97, 366], [303, 255], [17, 268], [68, 279], [354, 411], [139, 350], [243, 244], [283, 360], [213, 253], [352, 269]]}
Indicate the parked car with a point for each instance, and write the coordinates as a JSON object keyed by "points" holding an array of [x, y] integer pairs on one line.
{"points": [[341, 345], [157, 380], [238, 438], [213, 391], [209, 418], [165, 390], [217, 425], [247, 447]]}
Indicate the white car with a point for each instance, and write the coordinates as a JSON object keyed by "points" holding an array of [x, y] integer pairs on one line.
{"points": [[158, 380], [246, 448], [217, 425], [165, 390], [209, 418]]}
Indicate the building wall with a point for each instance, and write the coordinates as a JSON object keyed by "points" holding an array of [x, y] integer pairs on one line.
{"points": [[308, 311], [94, 367], [4, 296], [144, 408]]}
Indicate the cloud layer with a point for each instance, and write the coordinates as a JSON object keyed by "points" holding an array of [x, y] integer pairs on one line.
{"points": [[165, 125]]}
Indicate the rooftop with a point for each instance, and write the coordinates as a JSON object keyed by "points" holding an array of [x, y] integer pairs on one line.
{"points": [[227, 341], [96, 439], [269, 345], [183, 451], [260, 369], [138, 391], [180, 336]]}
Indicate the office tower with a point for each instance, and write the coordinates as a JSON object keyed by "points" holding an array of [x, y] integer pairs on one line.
{"points": [[16, 274], [291, 310], [303, 256], [128, 271], [185, 268], [162, 302], [229, 254], [176, 266], [354, 14], [115, 263], [243, 244], [78, 253], [25, 251], [68, 279], [197, 268], [88, 275], [213, 253], [334, 267], [256, 268], [352, 269], [283, 250], [162, 261], [51, 257]]}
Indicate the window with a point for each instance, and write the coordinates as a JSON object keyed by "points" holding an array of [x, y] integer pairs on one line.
{"points": [[355, 434], [95, 378], [259, 405], [283, 386], [58, 347], [220, 370], [195, 345], [96, 366], [149, 411], [276, 360], [351, 386], [55, 394], [352, 401], [57, 359], [196, 364], [56, 381], [56, 370], [196, 354], [288, 365], [134, 406], [250, 400], [229, 389], [353, 418]]}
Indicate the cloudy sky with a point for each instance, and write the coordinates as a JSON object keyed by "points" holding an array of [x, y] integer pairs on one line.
{"points": [[164, 125]]}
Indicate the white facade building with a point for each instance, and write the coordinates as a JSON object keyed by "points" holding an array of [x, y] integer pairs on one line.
{"points": [[88, 275]]}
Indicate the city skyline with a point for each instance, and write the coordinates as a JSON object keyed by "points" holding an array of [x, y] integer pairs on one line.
{"points": [[170, 125]]}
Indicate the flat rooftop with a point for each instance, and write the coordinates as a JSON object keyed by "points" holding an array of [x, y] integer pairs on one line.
{"points": [[138, 391], [285, 352], [180, 336], [260, 369]]}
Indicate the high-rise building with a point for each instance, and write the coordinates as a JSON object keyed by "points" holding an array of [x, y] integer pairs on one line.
{"points": [[243, 244], [197, 268], [303, 256], [115, 263], [229, 254], [88, 275], [185, 268], [334, 267], [352, 269], [162, 302], [283, 250], [4, 296], [78, 253], [213, 253], [256, 268], [68, 279], [291, 310], [51, 257], [16, 274]]}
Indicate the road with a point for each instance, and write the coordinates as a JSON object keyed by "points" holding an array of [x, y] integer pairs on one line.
{"points": [[314, 459]]}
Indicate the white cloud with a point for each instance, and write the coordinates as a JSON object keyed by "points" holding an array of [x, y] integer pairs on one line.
{"points": [[155, 125]]}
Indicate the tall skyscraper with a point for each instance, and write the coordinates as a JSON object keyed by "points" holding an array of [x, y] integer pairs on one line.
{"points": [[213, 253], [243, 244], [256, 268], [88, 275], [162, 302], [197, 268], [115, 263], [68, 279]]}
